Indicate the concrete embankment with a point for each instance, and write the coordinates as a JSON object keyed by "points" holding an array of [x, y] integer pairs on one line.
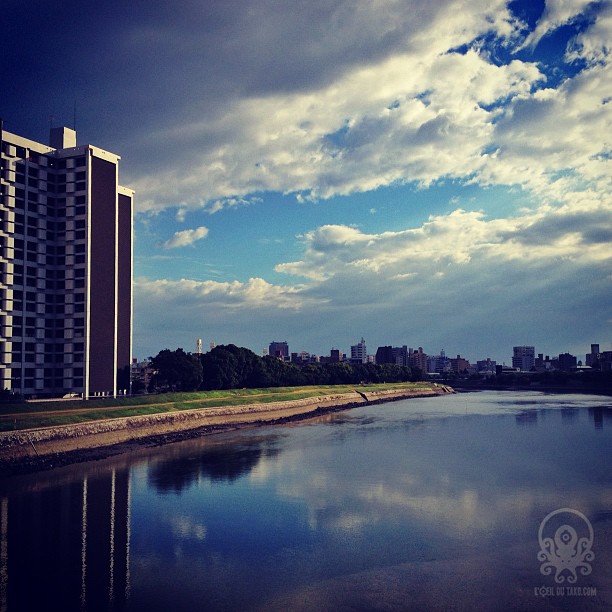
{"points": [[36, 446]]}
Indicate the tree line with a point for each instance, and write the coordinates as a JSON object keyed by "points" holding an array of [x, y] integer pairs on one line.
{"points": [[233, 367]]}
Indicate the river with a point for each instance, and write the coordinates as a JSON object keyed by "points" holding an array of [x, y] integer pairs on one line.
{"points": [[422, 504]]}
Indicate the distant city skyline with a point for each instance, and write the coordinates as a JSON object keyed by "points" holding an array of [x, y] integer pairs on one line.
{"points": [[402, 171], [285, 349]]}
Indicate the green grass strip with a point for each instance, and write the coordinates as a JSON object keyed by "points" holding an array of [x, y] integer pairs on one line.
{"points": [[31, 415]]}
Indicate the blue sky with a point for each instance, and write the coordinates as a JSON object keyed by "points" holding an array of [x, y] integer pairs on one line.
{"points": [[321, 171]]}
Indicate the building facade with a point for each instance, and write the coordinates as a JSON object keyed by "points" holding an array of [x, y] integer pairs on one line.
{"points": [[280, 350], [359, 352], [417, 359], [65, 268], [523, 358], [459, 364]]}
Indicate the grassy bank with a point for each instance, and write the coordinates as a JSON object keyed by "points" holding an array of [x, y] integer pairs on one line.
{"points": [[43, 414]]}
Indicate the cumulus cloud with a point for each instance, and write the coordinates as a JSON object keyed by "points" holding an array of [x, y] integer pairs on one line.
{"points": [[428, 285], [369, 96], [418, 113], [186, 237], [593, 44], [377, 121], [456, 239]]}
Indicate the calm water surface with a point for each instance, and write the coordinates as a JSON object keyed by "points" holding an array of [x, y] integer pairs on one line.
{"points": [[419, 504]]}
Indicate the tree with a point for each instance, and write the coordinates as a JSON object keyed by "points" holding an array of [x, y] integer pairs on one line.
{"points": [[177, 370]]}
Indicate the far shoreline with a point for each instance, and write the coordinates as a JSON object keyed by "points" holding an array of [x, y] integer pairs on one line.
{"points": [[466, 385], [41, 449]]}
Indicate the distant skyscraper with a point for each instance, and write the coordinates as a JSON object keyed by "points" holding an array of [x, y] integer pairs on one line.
{"points": [[280, 350], [65, 268], [592, 358], [523, 358]]}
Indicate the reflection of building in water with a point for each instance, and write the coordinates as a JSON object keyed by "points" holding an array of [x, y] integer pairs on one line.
{"points": [[67, 547], [3, 552]]}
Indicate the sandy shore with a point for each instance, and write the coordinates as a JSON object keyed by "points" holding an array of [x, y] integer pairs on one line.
{"points": [[47, 447]]}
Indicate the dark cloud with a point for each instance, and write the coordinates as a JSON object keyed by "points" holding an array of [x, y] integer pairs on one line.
{"points": [[132, 64], [593, 227]]}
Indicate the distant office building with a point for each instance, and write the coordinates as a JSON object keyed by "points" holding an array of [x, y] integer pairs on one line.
{"points": [[280, 350], [459, 364], [567, 362], [334, 356], [400, 355], [438, 364], [592, 358], [486, 366], [523, 358], [417, 359], [65, 268], [384, 354], [600, 360], [359, 352], [302, 358]]}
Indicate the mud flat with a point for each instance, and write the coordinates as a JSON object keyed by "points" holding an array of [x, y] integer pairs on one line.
{"points": [[47, 447]]}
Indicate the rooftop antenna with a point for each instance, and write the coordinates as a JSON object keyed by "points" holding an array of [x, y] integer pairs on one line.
{"points": [[74, 117]]}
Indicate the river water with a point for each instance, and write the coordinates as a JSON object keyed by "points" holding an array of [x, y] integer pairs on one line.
{"points": [[422, 504]]}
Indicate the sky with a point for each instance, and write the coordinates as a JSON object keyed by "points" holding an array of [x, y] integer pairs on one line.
{"points": [[418, 173]]}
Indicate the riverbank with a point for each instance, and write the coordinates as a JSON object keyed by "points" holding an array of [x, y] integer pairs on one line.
{"points": [[48, 447]]}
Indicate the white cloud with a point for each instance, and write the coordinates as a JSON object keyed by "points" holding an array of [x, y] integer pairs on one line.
{"points": [[556, 13], [430, 285], [186, 237], [214, 207], [593, 44], [570, 233], [346, 119], [400, 116], [255, 293], [437, 116]]}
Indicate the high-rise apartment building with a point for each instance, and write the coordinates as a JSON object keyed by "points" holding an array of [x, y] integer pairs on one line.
{"points": [[417, 359], [65, 268], [523, 358]]}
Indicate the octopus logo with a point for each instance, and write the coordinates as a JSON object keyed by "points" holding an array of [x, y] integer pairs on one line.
{"points": [[566, 538]]}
